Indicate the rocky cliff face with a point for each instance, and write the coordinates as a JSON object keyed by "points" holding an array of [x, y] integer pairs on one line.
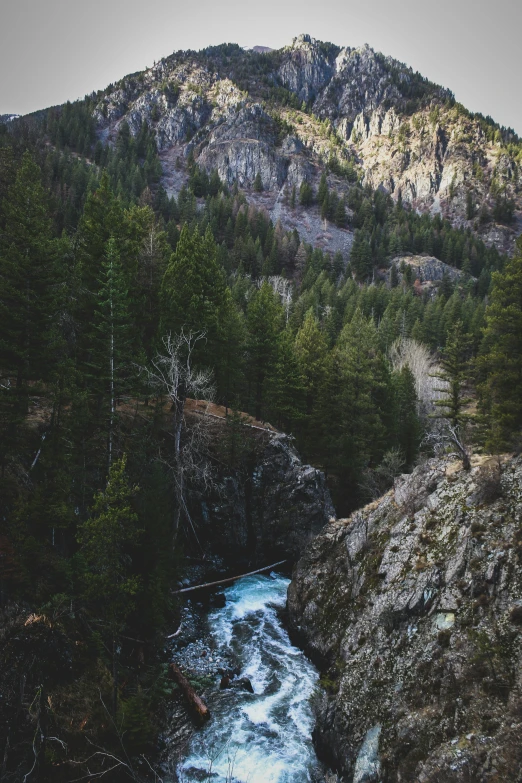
{"points": [[405, 135], [244, 146], [413, 607], [428, 270], [271, 507]]}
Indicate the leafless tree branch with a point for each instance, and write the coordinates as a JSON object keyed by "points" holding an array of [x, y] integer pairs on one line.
{"points": [[172, 373]]}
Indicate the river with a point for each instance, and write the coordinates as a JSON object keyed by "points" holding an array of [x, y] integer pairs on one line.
{"points": [[265, 736]]}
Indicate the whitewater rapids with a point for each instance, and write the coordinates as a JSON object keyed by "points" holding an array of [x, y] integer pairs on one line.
{"points": [[264, 737]]}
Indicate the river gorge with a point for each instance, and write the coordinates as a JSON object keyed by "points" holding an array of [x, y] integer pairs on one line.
{"points": [[264, 736]]}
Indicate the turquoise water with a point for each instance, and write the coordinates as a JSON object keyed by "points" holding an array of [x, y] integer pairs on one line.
{"points": [[264, 737]]}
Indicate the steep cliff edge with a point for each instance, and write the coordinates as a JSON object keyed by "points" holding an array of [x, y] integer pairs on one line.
{"points": [[270, 506], [413, 608]]}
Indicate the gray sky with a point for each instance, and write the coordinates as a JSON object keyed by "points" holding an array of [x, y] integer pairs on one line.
{"points": [[55, 50]]}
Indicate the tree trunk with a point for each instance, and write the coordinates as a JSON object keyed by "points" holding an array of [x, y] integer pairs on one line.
{"points": [[228, 579], [42, 720], [114, 678], [111, 364], [178, 406], [197, 706]]}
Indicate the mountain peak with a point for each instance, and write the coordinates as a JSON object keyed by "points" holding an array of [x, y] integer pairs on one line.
{"points": [[301, 39], [314, 102]]}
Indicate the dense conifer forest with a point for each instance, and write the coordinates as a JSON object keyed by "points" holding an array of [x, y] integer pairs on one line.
{"points": [[98, 267]]}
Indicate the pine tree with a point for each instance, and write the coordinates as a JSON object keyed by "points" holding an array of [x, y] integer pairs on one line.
{"points": [[361, 256], [27, 293], [322, 190], [192, 292], [470, 206], [323, 436], [364, 400], [311, 350], [446, 286], [264, 318], [229, 359], [152, 255], [454, 371], [215, 183], [113, 349], [340, 214], [406, 420], [286, 393], [394, 277], [387, 330], [7, 169], [306, 194], [325, 207], [500, 362], [109, 585], [102, 219]]}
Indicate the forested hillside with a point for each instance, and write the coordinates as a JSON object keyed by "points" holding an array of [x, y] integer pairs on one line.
{"points": [[118, 302]]}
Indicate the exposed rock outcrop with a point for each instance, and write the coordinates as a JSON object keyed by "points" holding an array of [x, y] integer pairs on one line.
{"points": [[428, 270], [413, 608], [306, 68], [270, 508], [244, 146], [403, 134]]}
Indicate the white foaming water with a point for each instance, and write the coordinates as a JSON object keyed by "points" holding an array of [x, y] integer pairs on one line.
{"points": [[264, 737]]}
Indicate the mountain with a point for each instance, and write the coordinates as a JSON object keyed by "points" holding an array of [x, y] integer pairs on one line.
{"points": [[205, 238], [284, 114]]}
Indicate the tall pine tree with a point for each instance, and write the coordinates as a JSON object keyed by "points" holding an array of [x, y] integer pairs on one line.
{"points": [[501, 357]]}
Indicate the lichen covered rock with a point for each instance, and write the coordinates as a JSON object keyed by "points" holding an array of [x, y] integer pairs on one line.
{"points": [[413, 609]]}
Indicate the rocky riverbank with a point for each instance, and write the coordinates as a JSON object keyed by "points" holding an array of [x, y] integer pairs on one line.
{"points": [[257, 685], [412, 607]]}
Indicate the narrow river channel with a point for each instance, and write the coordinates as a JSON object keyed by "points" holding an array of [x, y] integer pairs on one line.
{"points": [[265, 736]]}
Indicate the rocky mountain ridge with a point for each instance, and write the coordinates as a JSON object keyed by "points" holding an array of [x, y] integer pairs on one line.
{"points": [[413, 609], [284, 114]]}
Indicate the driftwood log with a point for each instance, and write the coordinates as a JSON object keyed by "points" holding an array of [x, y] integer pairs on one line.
{"points": [[228, 580], [197, 706]]}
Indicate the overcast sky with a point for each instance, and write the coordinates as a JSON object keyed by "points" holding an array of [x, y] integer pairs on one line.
{"points": [[57, 50]]}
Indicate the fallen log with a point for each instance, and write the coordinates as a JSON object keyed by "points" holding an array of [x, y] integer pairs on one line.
{"points": [[197, 706], [243, 423], [228, 580]]}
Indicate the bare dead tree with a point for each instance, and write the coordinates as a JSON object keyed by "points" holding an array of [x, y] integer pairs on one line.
{"points": [[406, 352], [283, 288], [445, 435], [172, 373], [151, 254]]}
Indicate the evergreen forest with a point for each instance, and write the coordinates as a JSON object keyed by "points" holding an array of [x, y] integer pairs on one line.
{"points": [[118, 304]]}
